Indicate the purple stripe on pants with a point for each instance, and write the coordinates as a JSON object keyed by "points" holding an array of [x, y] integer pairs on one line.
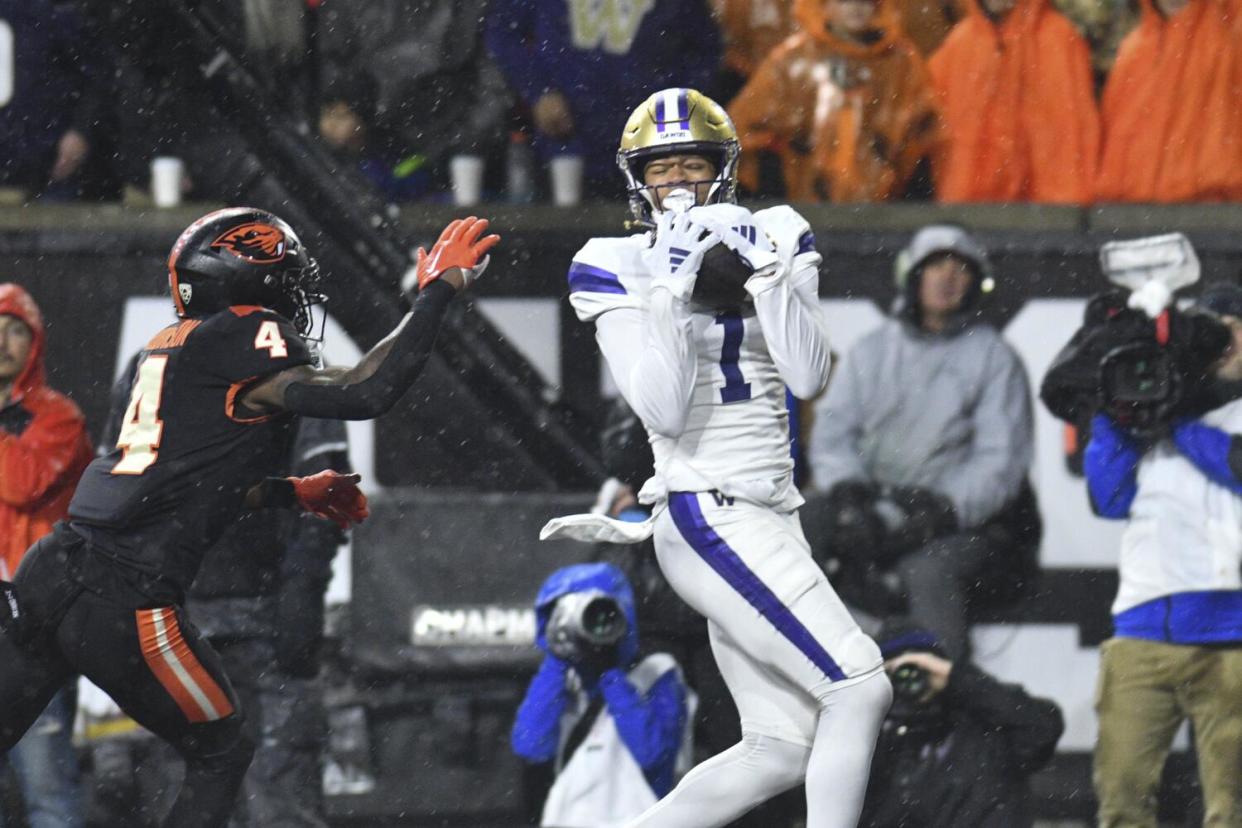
{"points": [[689, 519]]}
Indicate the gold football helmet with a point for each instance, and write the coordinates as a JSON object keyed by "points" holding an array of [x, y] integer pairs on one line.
{"points": [[677, 121]]}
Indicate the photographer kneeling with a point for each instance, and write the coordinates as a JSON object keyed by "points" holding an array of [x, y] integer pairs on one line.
{"points": [[613, 724], [1176, 651], [957, 747]]}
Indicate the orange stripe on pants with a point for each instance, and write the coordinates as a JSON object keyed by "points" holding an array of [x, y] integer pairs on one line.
{"points": [[173, 663]]}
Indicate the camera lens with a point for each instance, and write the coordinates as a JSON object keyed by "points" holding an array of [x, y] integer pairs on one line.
{"points": [[910, 682], [603, 621]]}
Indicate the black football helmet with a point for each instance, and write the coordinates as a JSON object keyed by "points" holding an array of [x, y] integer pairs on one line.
{"points": [[243, 256]]}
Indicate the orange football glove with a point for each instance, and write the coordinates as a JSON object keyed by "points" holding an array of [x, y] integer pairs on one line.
{"points": [[332, 495], [458, 246]]}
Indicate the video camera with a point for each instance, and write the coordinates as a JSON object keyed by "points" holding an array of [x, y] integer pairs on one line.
{"points": [[582, 622], [1138, 357]]}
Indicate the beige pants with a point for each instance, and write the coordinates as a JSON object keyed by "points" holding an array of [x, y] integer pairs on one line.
{"points": [[1146, 690]]}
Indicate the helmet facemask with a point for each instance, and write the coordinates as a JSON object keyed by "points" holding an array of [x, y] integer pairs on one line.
{"points": [[643, 204], [298, 292]]}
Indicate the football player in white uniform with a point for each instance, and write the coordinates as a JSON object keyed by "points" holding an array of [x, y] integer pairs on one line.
{"points": [[705, 320]]}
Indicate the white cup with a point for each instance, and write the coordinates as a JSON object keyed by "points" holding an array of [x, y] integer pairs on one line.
{"points": [[166, 175], [566, 180], [466, 173]]}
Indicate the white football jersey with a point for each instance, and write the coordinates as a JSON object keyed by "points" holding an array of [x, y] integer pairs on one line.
{"points": [[736, 436]]}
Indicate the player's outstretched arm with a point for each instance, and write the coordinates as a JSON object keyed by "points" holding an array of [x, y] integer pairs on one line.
{"points": [[371, 387]]}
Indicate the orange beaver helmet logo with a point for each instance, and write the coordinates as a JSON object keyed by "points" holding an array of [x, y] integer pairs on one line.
{"points": [[255, 242]]}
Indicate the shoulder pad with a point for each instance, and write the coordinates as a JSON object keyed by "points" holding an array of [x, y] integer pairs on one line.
{"points": [[248, 341], [608, 273]]}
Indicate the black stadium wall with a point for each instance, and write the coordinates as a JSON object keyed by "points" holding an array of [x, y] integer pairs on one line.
{"points": [[438, 559]]}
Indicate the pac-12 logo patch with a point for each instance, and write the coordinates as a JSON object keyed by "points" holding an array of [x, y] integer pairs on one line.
{"points": [[255, 242]]}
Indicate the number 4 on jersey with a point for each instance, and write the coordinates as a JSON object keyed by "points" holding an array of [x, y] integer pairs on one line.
{"points": [[269, 337], [142, 426]]}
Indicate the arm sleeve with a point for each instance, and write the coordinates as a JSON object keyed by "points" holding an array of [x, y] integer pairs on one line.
{"points": [[1032, 726], [1110, 464], [794, 330], [510, 26], [839, 425], [651, 726], [1002, 446], [376, 394], [536, 730], [657, 380], [43, 456], [1214, 452]]}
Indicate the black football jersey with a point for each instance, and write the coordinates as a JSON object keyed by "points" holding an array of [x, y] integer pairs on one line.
{"points": [[185, 455]]}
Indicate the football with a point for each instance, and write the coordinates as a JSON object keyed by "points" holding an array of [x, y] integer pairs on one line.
{"points": [[722, 278]]}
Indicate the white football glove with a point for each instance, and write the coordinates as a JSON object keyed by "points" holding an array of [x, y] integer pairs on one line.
{"points": [[677, 252], [738, 229]]}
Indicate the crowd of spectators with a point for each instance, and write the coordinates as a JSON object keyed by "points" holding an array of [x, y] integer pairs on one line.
{"points": [[1069, 102]]}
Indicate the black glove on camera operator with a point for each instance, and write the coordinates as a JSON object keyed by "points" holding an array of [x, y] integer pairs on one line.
{"points": [[878, 524]]}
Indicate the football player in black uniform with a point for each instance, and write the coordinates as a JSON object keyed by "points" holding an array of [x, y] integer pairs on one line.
{"points": [[208, 418]]}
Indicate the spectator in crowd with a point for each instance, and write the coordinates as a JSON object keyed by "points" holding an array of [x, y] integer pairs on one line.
{"points": [[1171, 128], [958, 747], [347, 126], [751, 29], [44, 145], [1017, 98], [571, 62], [435, 91], [924, 441], [928, 22], [259, 601], [1103, 23], [43, 450], [1175, 653], [846, 103], [613, 724]]}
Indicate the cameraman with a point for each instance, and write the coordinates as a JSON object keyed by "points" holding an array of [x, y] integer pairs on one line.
{"points": [[923, 443], [614, 725], [1176, 652], [957, 747]]}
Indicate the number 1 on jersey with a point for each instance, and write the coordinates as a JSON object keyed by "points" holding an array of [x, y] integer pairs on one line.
{"points": [[736, 388], [142, 427]]}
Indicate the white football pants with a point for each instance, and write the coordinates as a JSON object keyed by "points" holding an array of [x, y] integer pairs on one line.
{"points": [[808, 683]]}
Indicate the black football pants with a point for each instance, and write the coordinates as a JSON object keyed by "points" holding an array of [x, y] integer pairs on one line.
{"points": [[152, 663]]}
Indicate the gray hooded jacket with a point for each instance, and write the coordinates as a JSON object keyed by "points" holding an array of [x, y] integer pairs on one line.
{"points": [[949, 412]]}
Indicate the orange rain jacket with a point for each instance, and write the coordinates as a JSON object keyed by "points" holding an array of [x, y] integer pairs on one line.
{"points": [[928, 22], [1171, 114], [752, 29], [1019, 110], [849, 121], [40, 466]]}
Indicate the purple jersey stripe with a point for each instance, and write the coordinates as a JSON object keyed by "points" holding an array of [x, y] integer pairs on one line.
{"points": [[594, 279], [688, 517], [806, 242]]}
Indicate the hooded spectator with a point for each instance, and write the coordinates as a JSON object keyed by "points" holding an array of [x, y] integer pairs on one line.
{"points": [[1171, 122], [1015, 91], [846, 104]]}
